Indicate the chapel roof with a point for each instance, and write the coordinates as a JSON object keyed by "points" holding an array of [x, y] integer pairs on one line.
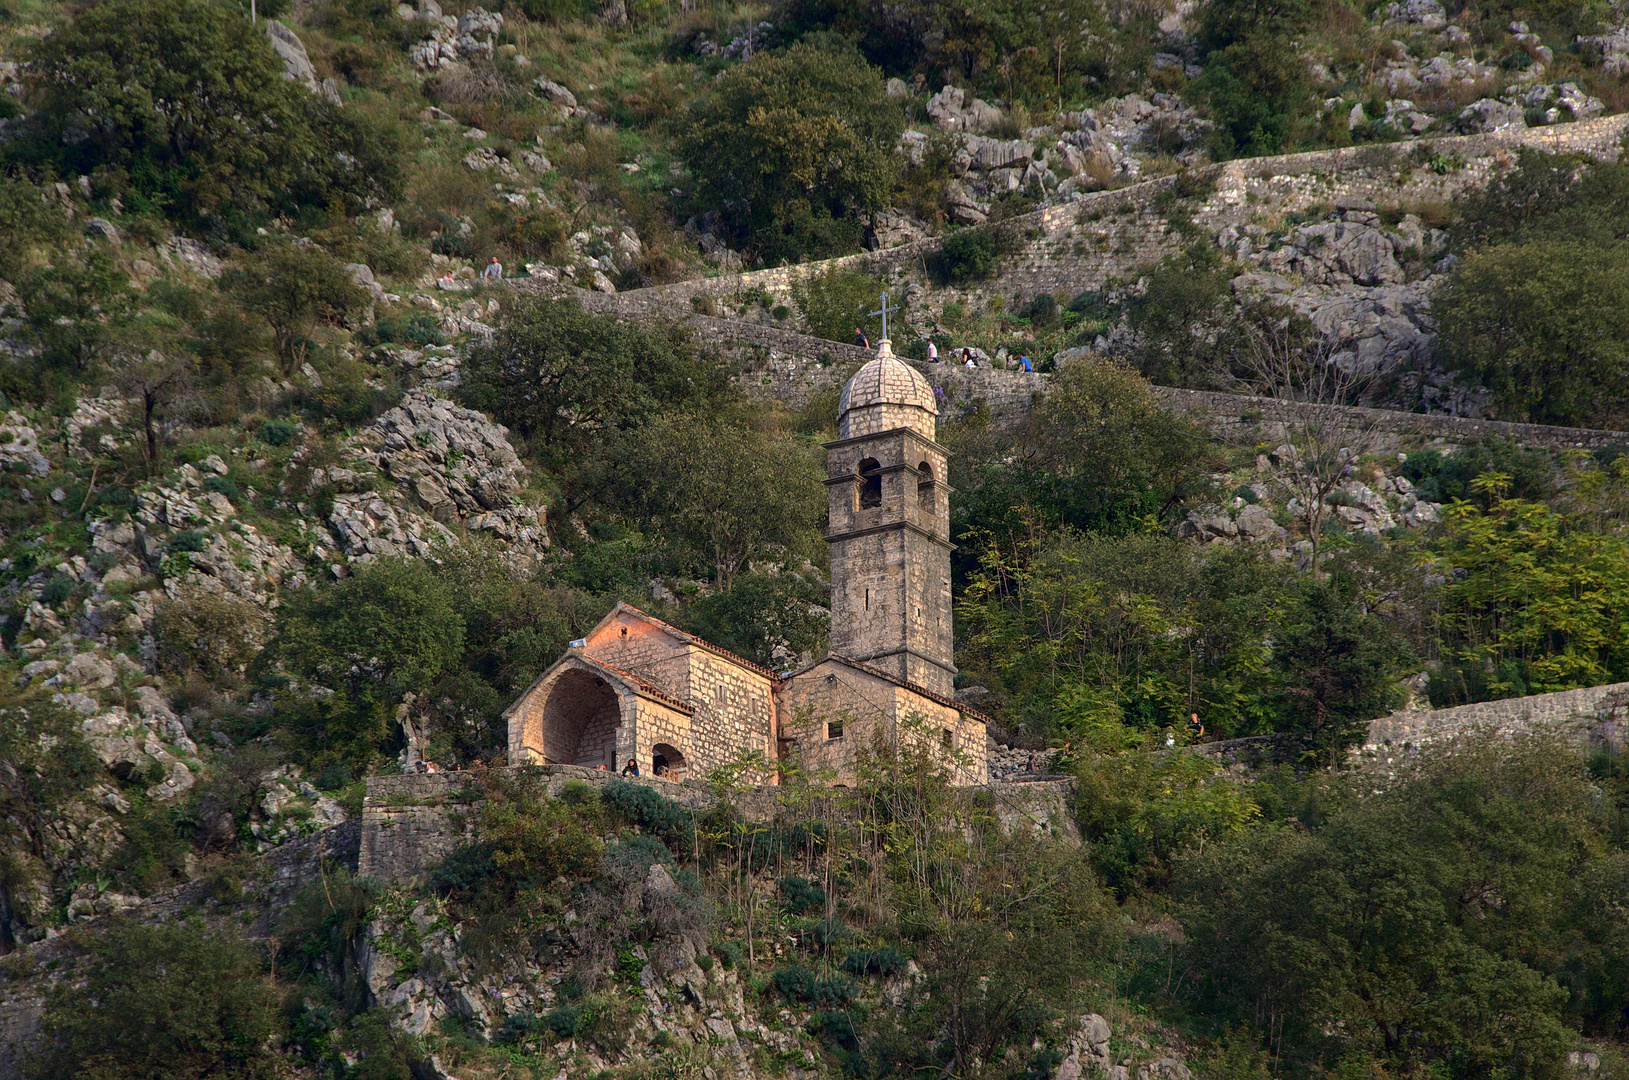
{"points": [[887, 380]]}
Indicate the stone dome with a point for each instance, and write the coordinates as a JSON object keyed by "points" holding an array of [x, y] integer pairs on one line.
{"points": [[886, 393]]}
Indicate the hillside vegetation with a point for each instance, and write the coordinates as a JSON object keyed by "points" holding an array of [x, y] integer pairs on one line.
{"points": [[292, 496]]}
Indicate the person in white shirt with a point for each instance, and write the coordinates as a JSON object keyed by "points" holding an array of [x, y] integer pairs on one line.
{"points": [[933, 353], [494, 270]]}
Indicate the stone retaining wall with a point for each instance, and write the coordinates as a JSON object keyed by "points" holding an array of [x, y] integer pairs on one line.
{"points": [[1595, 715], [1096, 238], [411, 822]]}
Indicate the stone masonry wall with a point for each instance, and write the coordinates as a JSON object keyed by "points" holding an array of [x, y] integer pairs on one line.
{"points": [[1594, 715], [442, 807], [795, 368], [1102, 236]]}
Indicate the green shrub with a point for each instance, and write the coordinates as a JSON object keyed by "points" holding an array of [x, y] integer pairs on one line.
{"points": [[799, 894], [1042, 311], [653, 812], [162, 1001], [798, 983], [419, 330], [885, 961], [58, 589], [969, 255], [181, 107], [223, 485], [279, 432], [189, 540]]}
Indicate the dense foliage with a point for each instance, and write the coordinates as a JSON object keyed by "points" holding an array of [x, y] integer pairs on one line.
{"points": [[796, 148]]}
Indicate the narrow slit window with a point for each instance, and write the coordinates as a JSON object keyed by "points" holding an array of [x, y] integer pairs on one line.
{"points": [[947, 738]]}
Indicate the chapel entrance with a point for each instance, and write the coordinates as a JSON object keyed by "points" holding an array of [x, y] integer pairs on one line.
{"points": [[580, 720], [667, 762]]}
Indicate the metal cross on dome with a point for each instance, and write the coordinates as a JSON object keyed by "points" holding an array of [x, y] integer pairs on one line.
{"points": [[883, 311]]}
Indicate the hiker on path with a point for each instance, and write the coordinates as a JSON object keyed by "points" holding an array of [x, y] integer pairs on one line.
{"points": [[860, 339]]}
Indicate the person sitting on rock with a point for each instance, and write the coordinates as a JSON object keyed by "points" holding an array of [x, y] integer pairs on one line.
{"points": [[493, 271]]}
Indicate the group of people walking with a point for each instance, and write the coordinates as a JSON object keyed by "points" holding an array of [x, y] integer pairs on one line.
{"points": [[963, 356]]}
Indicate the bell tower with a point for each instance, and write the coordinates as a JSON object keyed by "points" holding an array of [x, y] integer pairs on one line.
{"points": [[888, 524]]}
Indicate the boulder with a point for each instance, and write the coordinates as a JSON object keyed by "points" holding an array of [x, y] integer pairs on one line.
{"points": [[1426, 14], [1256, 524], [1206, 524], [995, 154], [105, 229], [291, 50], [555, 92], [952, 110], [1490, 115]]}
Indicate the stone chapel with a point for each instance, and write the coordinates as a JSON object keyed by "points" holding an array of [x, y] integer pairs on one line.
{"points": [[637, 688]]}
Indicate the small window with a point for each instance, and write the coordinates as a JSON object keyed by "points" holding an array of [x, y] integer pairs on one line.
{"points": [[947, 738], [924, 486], [834, 729], [624, 631], [721, 694], [870, 475]]}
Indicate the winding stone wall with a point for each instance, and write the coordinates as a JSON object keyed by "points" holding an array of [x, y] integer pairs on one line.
{"points": [[1099, 237]]}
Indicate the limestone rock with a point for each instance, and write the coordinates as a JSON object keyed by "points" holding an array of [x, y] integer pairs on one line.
{"points": [[555, 92], [20, 445], [1490, 115], [1426, 14], [291, 50], [952, 110], [1206, 524], [1256, 524]]}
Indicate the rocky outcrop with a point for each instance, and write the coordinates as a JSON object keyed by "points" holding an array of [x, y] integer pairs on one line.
{"points": [[953, 110], [452, 468], [451, 40]]}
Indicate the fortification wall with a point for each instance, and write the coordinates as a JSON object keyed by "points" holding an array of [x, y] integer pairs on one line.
{"points": [[1099, 237], [411, 822], [1596, 715]]}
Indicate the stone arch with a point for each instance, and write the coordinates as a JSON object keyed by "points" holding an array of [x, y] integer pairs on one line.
{"points": [[924, 486], [580, 718], [668, 762], [869, 477]]}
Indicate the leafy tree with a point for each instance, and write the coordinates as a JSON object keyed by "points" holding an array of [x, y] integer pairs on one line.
{"points": [[1544, 325], [292, 287], [45, 764], [173, 1001], [388, 630], [183, 105], [724, 493], [1336, 664], [771, 619], [1098, 453], [1418, 926], [834, 301], [76, 308], [572, 384], [1089, 633], [1255, 78], [1184, 321], [1550, 197], [390, 624], [794, 147], [1534, 600], [29, 224]]}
